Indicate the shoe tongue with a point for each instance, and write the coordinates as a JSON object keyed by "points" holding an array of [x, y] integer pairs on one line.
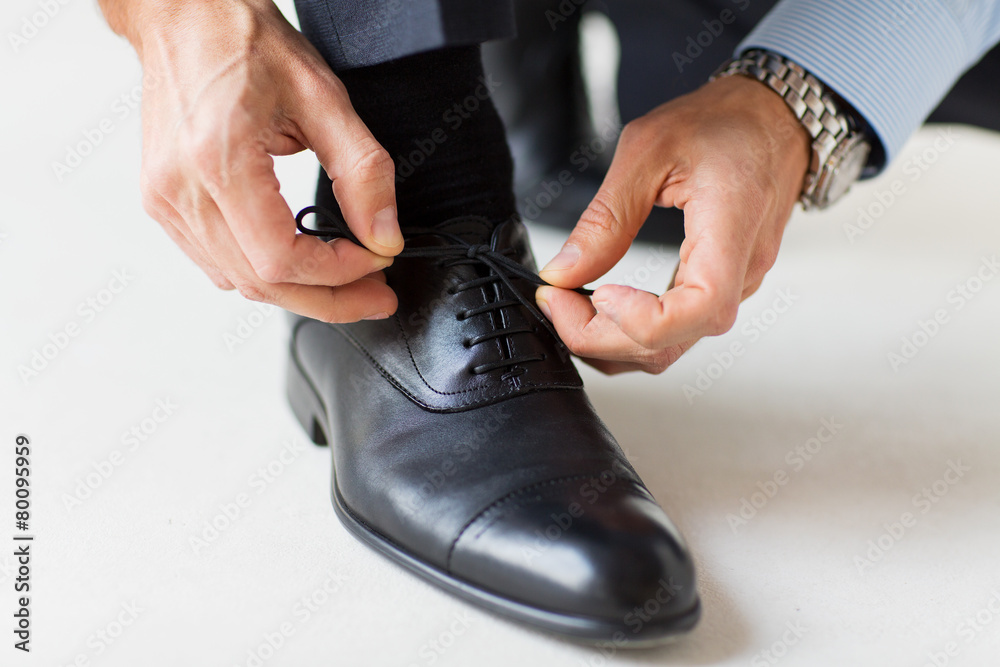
{"points": [[471, 229]]}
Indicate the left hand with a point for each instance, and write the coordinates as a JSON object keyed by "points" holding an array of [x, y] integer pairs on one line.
{"points": [[733, 156]]}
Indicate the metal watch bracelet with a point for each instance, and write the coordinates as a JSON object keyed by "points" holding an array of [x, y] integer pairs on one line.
{"points": [[839, 152]]}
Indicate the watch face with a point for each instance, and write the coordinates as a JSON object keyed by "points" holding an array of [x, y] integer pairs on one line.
{"points": [[845, 167]]}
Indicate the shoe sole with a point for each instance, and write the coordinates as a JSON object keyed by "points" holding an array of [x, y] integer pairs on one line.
{"points": [[310, 412]]}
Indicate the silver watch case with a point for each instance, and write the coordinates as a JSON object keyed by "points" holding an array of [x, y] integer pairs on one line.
{"points": [[827, 182]]}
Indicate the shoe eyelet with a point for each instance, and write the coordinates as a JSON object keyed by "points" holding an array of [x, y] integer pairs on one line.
{"points": [[460, 317], [467, 343]]}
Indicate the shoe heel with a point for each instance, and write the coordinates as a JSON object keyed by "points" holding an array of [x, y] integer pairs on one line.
{"points": [[305, 403]]}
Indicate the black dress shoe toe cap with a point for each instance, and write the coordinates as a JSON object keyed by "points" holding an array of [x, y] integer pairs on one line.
{"points": [[605, 553]]}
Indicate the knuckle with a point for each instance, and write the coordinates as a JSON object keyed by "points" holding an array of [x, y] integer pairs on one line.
{"points": [[151, 204], [273, 263], [632, 132], [577, 343], [157, 181], [722, 318], [205, 154], [662, 360], [155, 177], [763, 261], [273, 271], [330, 85], [221, 281], [603, 218], [206, 144], [333, 310], [318, 83], [371, 163], [150, 193], [769, 255], [755, 199], [656, 366], [649, 338], [252, 292]]}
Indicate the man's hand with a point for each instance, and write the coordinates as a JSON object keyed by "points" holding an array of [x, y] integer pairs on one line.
{"points": [[227, 85], [734, 157]]}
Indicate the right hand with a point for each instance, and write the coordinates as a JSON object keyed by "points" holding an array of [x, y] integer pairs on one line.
{"points": [[226, 86]]}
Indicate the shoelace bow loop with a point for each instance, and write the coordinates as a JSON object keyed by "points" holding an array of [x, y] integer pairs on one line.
{"points": [[458, 251]]}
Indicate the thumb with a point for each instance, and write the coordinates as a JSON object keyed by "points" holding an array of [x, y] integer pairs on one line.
{"points": [[362, 171], [606, 229]]}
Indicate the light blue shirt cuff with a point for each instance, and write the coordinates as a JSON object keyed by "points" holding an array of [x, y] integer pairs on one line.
{"points": [[893, 61]]}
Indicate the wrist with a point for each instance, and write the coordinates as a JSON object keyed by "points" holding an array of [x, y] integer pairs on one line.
{"points": [[840, 149], [146, 21], [781, 132], [783, 129], [131, 18]]}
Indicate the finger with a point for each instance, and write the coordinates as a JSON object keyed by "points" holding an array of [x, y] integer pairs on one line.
{"points": [[673, 278], [350, 302], [362, 171], [664, 359], [683, 255], [379, 276], [281, 144], [160, 210], [606, 229], [587, 333], [750, 290], [264, 228], [364, 299], [711, 282], [197, 256], [611, 367]]}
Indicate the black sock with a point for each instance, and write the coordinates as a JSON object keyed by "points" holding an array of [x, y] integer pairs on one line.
{"points": [[432, 112]]}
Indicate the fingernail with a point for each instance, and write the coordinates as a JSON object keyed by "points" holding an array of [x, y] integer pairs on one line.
{"points": [[377, 316], [566, 259], [543, 306], [385, 228]]}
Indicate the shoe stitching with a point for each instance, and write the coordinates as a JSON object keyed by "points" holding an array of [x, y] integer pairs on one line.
{"points": [[488, 394], [497, 504], [491, 397], [503, 267], [413, 360], [388, 376]]}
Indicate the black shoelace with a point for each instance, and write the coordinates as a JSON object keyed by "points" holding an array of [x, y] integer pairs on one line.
{"points": [[502, 268]]}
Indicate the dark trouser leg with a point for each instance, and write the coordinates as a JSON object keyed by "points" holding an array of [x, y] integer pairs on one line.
{"points": [[415, 78], [975, 99], [542, 100]]}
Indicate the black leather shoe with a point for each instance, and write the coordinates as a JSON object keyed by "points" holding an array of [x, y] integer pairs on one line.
{"points": [[466, 450]]}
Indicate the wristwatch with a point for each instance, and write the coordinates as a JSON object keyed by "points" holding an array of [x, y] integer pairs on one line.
{"points": [[840, 149]]}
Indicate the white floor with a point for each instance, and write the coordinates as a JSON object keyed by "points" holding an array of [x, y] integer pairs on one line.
{"points": [[859, 447]]}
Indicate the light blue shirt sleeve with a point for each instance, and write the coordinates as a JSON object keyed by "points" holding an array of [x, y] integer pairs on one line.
{"points": [[893, 60]]}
